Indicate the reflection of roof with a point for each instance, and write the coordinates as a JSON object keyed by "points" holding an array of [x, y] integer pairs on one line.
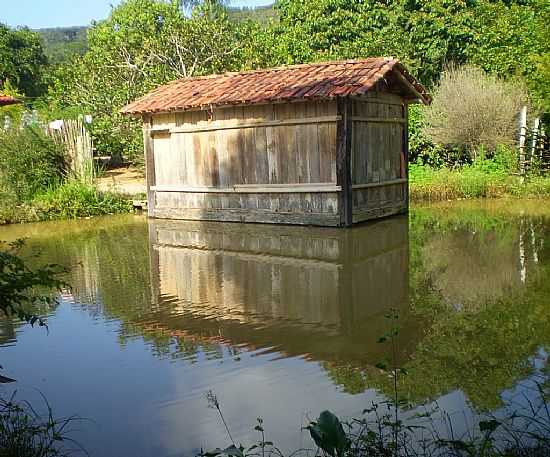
{"points": [[8, 100], [297, 82]]}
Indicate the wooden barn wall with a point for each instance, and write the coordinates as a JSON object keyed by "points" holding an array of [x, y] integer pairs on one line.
{"points": [[378, 168], [195, 156]]}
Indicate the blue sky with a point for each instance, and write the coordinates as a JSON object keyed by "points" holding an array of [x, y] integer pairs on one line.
{"points": [[62, 13]]}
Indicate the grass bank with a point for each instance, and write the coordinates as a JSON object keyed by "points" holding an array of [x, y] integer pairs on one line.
{"points": [[482, 179], [69, 200]]}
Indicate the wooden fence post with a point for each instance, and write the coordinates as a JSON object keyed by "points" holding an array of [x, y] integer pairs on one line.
{"points": [[534, 140], [522, 128]]}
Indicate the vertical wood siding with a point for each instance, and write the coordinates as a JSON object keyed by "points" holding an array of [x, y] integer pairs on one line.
{"points": [[378, 156], [221, 157]]}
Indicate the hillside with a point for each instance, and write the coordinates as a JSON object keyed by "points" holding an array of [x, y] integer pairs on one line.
{"points": [[260, 14], [62, 42]]}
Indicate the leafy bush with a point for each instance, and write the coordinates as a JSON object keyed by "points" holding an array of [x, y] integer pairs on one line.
{"points": [[473, 110], [30, 162], [72, 200], [20, 285]]}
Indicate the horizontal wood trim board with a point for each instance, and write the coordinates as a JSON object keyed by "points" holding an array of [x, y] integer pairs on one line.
{"points": [[375, 213], [379, 184], [381, 120], [253, 189], [259, 216], [231, 125]]}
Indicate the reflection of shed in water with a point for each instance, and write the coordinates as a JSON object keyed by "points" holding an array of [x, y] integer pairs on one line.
{"points": [[290, 287]]}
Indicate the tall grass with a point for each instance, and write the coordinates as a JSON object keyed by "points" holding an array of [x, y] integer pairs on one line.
{"points": [[25, 433], [74, 199], [70, 200], [484, 178]]}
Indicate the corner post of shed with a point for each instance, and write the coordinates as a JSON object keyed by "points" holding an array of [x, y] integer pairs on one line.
{"points": [[148, 149], [343, 160], [406, 154]]}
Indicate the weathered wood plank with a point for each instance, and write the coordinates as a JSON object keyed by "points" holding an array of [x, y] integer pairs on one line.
{"points": [[376, 213], [380, 184], [380, 120], [343, 158], [149, 164], [252, 188], [247, 215], [239, 124]]}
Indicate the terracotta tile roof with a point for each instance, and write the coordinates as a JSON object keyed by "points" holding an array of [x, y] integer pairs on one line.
{"points": [[307, 81], [7, 100]]}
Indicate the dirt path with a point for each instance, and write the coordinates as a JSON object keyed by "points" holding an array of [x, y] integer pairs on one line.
{"points": [[123, 180]]}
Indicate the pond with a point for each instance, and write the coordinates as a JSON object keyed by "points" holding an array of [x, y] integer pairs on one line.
{"points": [[281, 322]]}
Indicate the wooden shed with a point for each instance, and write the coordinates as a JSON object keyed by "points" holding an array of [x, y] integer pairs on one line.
{"points": [[6, 100], [316, 144]]}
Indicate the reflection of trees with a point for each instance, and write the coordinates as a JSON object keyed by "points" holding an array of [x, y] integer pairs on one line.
{"points": [[482, 346]]}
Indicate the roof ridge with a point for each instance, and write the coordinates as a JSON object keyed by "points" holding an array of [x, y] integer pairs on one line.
{"points": [[286, 67]]}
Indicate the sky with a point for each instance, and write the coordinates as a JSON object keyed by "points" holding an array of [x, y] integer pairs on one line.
{"points": [[63, 13]]}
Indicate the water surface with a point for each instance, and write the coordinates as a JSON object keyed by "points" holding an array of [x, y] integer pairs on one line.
{"points": [[281, 322]]}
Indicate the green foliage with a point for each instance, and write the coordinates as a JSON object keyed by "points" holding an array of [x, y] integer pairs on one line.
{"points": [[513, 39], [73, 200], [30, 162], [22, 60], [425, 35], [142, 44], [21, 287]]}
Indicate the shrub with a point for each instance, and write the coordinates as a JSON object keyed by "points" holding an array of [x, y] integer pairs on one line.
{"points": [[472, 109], [30, 162], [74, 199]]}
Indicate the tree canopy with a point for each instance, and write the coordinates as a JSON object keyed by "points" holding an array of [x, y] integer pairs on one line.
{"points": [[22, 60]]}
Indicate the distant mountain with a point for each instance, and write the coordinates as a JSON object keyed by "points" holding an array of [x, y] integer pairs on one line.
{"points": [[62, 42], [260, 14]]}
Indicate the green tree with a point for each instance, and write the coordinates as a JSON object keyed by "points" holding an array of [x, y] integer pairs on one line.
{"points": [[513, 39], [142, 44], [22, 60]]}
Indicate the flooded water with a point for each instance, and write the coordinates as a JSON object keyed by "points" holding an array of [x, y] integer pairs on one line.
{"points": [[281, 322]]}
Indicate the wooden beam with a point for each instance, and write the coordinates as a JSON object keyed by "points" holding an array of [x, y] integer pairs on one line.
{"points": [[343, 160], [239, 124], [252, 188], [411, 88], [384, 120], [249, 215], [376, 213], [406, 153], [148, 148], [393, 182]]}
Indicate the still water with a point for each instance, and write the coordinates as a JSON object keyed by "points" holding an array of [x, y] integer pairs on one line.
{"points": [[281, 322]]}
